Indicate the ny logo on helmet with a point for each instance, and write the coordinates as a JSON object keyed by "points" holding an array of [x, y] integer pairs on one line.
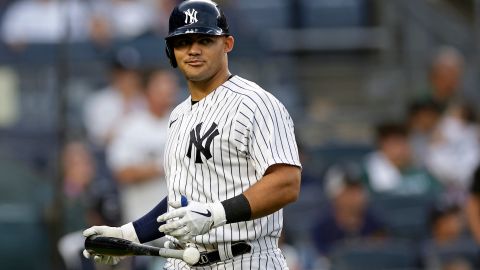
{"points": [[190, 16]]}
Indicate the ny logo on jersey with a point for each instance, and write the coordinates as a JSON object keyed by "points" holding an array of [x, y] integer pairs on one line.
{"points": [[197, 140], [190, 16]]}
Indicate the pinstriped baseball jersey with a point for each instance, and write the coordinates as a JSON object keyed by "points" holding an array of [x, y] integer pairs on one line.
{"points": [[220, 146]]}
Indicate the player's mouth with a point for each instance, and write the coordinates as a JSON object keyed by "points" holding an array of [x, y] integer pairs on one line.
{"points": [[194, 62]]}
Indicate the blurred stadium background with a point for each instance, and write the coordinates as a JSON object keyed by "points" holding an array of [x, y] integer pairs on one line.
{"points": [[340, 67]]}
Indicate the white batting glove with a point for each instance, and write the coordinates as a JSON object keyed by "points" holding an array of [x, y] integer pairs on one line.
{"points": [[126, 231], [194, 219], [174, 243]]}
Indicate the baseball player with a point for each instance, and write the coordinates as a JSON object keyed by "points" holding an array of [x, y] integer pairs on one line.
{"points": [[231, 152]]}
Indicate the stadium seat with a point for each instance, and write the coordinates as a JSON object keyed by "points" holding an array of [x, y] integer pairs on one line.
{"points": [[389, 255], [334, 13], [24, 238], [329, 154], [23, 241], [265, 14], [19, 184], [465, 249], [405, 216]]}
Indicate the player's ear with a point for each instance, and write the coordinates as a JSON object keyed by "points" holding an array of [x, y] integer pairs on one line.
{"points": [[229, 41]]}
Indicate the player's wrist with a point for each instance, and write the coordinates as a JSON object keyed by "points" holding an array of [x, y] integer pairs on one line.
{"points": [[129, 233], [237, 209], [218, 214]]}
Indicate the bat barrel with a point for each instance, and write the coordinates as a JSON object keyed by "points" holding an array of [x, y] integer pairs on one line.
{"points": [[108, 246]]}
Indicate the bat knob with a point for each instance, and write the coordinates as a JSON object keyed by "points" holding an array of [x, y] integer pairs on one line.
{"points": [[191, 255]]}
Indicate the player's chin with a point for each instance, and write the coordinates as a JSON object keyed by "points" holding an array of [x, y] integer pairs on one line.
{"points": [[195, 75]]}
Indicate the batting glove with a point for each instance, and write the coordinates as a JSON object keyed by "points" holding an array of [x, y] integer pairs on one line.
{"points": [[126, 231], [196, 218], [174, 243]]}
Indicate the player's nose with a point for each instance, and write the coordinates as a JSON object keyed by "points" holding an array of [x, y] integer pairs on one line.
{"points": [[194, 49]]}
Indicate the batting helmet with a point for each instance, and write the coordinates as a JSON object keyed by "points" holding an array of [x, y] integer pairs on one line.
{"points": [[195, 17]]}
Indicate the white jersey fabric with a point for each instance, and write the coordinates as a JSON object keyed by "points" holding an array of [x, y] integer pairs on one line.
{"points": [[220, 146]]}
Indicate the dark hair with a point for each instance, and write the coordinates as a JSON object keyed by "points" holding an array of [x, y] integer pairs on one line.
{"points": [[468, 113], [423, 105], [389, 129]]}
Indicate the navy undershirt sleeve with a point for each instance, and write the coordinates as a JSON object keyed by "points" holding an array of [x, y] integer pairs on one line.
{"points": [[146, 227]]}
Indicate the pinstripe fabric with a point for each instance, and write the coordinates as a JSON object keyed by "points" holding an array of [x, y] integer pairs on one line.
{"points": [[255, 131]]}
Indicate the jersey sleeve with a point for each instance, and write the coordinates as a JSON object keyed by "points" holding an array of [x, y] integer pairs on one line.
{"points": [[271, 138]]}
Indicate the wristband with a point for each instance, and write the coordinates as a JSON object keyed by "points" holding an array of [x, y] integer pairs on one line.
{"points": [[218, 214], [128, 232], [237, 209]]}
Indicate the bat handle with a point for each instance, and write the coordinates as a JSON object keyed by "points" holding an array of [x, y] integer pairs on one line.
{"points": [[189, 255]]}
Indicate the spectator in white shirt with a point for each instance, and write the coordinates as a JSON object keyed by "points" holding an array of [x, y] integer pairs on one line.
{"points": [[136, 153], [105, 110], [454, 152]]}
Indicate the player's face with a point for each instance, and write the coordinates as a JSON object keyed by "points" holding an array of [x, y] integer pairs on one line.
{"points": [[201, 57]]}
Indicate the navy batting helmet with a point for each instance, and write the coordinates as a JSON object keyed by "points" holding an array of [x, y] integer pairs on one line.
{"points": [[195, 17]]}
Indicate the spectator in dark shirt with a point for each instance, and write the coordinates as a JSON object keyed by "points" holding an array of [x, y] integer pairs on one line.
{"points": [[348, 216], [448, 247]]}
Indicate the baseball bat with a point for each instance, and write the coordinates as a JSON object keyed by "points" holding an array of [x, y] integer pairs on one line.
{"points": [[112, 246]]}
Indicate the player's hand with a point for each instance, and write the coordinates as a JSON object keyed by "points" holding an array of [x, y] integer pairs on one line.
{"points": [[174, 243], [194, 219], [125, 232]]}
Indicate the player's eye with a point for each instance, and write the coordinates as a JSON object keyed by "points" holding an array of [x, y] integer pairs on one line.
{"points": [[205, 41], [182, 42]]}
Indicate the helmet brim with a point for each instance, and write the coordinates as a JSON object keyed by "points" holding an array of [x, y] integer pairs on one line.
{"points": [[186, 30]]}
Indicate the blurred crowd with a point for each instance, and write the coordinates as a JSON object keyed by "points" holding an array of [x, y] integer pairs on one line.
{"points": [[113, 174], [413, 197], [416, 188], [103, 21]]}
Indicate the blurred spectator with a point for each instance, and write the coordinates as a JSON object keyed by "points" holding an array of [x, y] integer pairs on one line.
{"points": [[423, 119], [348, 216], [472, 207], [446, 224], [390, 169], [121, 19], [78, 174], [457, 264], [448, 247], [454, 152], [106, 109], [44, 21], [136, 153], [85, 202], [446, 74], [162, 10]]}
